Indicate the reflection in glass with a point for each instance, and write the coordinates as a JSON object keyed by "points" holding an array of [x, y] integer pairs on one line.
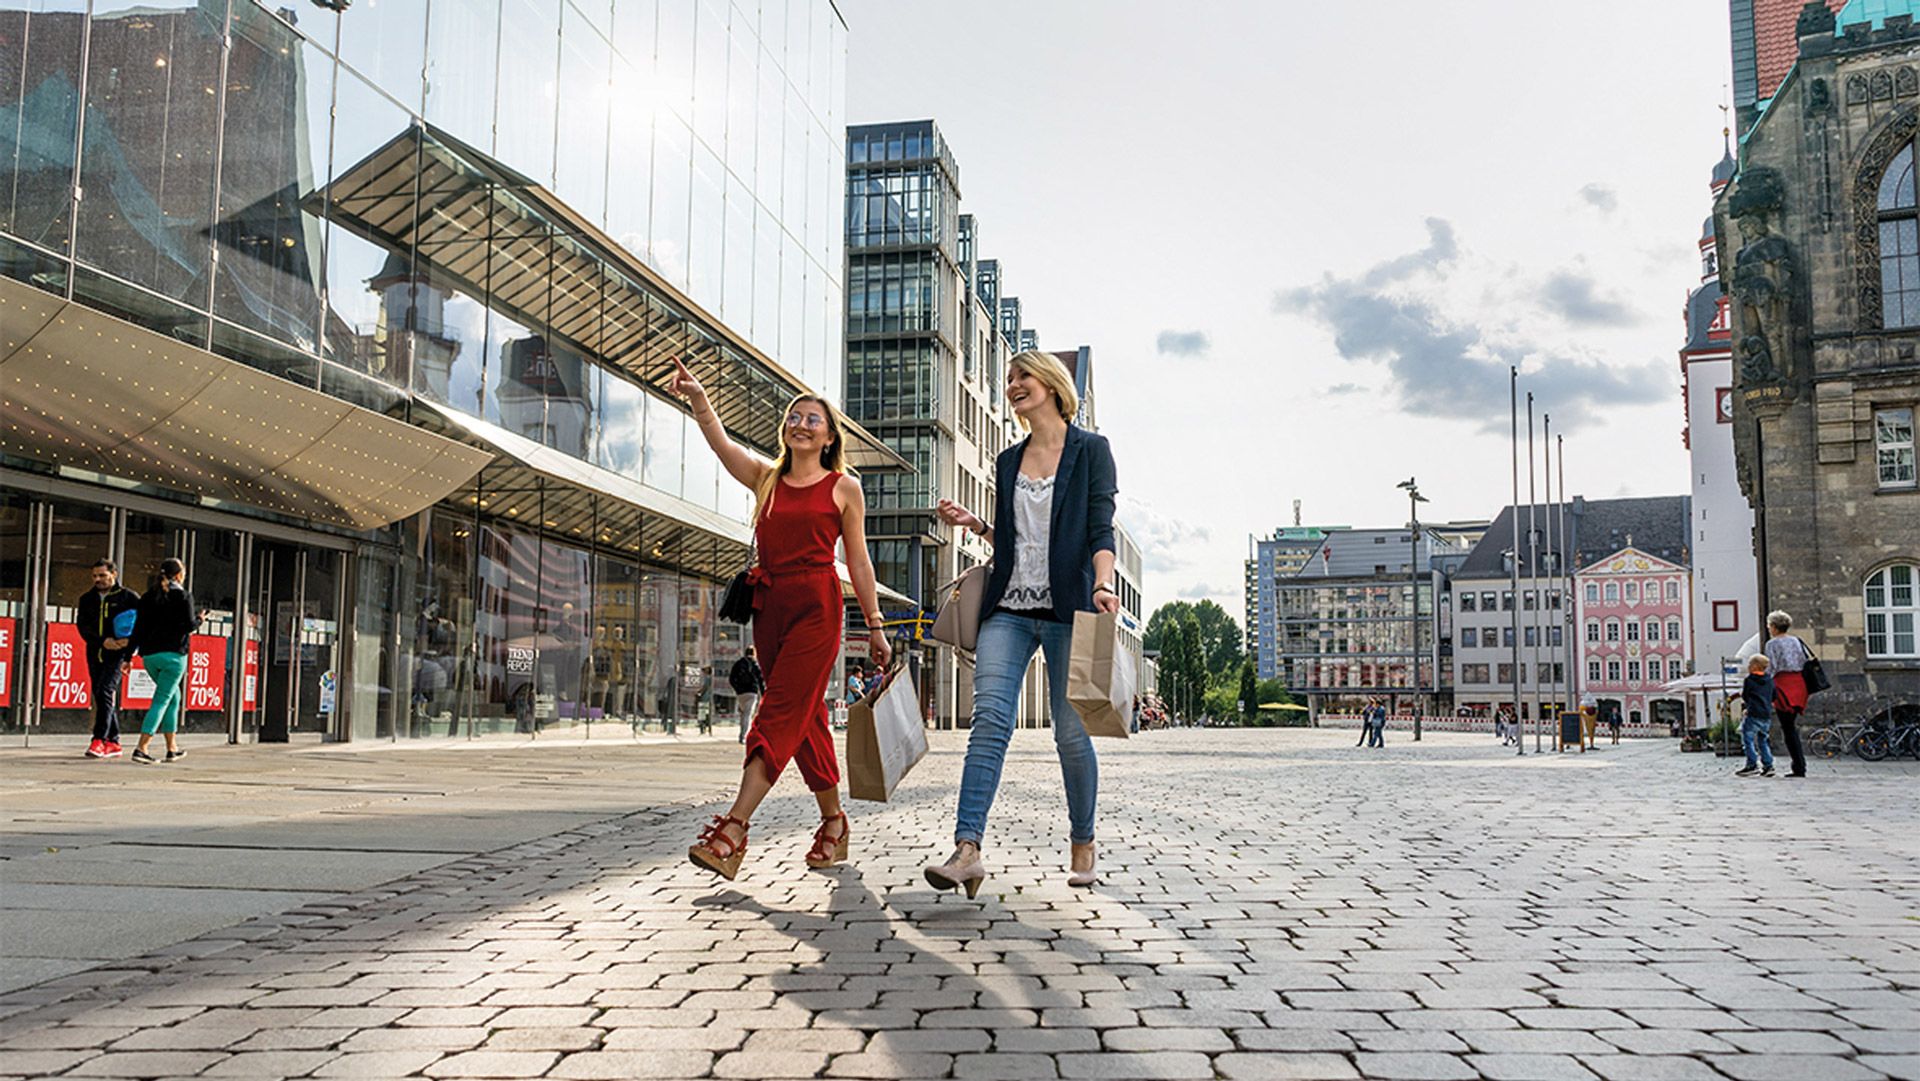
{"points": [[623, 426], [770, 110], [702, 469], [525, 119], [39, 110], [443, 332], [658, 652], [462, 57], [766, 284], [386, 41], [368, 284], [736, 294], [710, 76], [708, 234], [580, 173], [279, 91], [672, 199], [147, 164], [661, 465], [743, 87], [630, 160], [675, 54]]}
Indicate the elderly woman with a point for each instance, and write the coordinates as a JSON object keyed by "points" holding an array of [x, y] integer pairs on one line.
{"points": [[1787, 659], [1053, 547]]}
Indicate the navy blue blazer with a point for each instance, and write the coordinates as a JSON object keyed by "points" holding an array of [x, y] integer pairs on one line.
{"points": [[1083, 491]]}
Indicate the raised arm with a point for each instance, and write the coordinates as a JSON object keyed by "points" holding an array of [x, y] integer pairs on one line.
{"points": [[853, 527], [742, 464]]}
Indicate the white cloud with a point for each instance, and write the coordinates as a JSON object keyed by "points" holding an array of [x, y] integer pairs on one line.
{"points": [[1167, 544]]}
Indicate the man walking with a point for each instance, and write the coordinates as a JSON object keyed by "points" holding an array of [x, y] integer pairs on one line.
{"points": [[105, 619], [748, 684], [1377, 733]]}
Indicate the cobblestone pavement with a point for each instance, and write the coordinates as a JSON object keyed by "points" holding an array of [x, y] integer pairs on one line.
{"points": [[1276, 904]]}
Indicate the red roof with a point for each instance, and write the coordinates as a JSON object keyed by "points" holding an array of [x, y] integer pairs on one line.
{"points": [[1775, 47]]}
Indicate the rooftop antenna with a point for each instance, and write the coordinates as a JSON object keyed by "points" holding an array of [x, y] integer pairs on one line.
{"points": [[1296, 514]]}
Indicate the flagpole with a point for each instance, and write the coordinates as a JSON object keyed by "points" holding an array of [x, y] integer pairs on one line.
{"points": [[1549, 613], [1533, 580], [1513, 423]]}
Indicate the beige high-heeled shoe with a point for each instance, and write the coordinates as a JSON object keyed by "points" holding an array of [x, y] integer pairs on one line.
{"points": [[1084, 878], [961, 871]]}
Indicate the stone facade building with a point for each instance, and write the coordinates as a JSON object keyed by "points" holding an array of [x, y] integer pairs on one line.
{"points": [[1820, 229]]}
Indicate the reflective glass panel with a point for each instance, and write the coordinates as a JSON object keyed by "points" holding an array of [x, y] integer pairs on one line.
{"points": [[386, 41], [580, 168], [462, 57], [524, 124], [39, 110]]}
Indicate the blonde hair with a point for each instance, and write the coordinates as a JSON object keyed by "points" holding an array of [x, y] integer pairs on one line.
{"points": [[1758, 663], [1054, 376], [833, 458]]}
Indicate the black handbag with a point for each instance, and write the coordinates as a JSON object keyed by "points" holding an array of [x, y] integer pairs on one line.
{"points": [[1814, 674], [736, 605]]}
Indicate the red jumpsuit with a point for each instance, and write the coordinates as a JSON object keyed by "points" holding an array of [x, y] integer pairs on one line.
{"points": [[797, 613]]}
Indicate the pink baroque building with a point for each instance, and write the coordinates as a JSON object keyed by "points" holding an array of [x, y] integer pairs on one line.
{"points": [[1635, 635]]}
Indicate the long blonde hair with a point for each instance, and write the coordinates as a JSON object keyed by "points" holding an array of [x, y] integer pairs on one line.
{"points": [[1054, 376], [833, 457]]}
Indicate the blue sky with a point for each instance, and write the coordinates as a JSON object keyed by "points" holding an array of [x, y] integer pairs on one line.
{"points": [[1305, 240]]}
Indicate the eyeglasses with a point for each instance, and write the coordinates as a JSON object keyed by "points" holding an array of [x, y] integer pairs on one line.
{"points": [[807, 420]]}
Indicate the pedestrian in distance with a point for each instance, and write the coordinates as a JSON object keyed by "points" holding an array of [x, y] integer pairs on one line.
{"points": [[1787, 661], [1614, 722], [1589, 719], [1756, 694], [1052, 537], [748, 683], [1366, 724], [805, 502], [163, 633], [856, 684], [105, 616], [1377, 735]]}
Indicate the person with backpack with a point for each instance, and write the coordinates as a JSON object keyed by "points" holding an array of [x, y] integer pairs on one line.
{"points": [[748, 683], [105, 617], [1787, 657]]}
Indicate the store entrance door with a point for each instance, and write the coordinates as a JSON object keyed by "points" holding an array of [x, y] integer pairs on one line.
{"points": [[296, 601]]}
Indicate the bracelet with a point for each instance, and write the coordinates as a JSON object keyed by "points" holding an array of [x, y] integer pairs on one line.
{"points": [[1106, 587], [873, 623]]}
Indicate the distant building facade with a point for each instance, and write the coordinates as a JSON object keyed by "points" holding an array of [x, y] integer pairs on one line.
{"points": [[1633, 615]]}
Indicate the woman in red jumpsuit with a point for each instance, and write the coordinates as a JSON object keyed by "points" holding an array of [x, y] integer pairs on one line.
{"points": [[804, 503]]}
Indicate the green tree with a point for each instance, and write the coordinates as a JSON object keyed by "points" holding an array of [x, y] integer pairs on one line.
{"points": [[1249, 692], [1220, 638]]}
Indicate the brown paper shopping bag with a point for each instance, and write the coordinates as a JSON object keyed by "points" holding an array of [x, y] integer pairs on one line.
{"points": [[885, 737], [1100, 675]]}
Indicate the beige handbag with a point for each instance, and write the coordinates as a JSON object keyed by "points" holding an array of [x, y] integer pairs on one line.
{"points": [[958, 623]]}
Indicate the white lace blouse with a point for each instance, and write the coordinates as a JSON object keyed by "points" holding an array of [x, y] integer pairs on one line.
{"points": [[1031, 587]]}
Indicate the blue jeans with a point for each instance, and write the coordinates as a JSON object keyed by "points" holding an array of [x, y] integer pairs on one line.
{"points": [[1754, 733], [1376, 733], [1005, 645]]}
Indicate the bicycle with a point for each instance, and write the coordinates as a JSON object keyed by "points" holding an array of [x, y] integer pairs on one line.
{"points": [[1867, 737]]}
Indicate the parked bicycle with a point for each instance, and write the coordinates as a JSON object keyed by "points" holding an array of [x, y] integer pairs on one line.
{"points": [[1872, 737]]}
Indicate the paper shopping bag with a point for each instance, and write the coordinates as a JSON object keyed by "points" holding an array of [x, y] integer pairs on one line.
{"points": [[885, 737], [1100, 675]]}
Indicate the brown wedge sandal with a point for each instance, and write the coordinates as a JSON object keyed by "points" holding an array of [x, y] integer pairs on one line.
{"points": [[827, 849], [718, 852]]}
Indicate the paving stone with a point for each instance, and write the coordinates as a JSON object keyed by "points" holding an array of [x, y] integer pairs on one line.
{"points": [[1167, 1039], [415, 1039], [752, 1064], [1653, 1068], [1900, 1067], [255, 1065], [494, 1064], [1668, 1041], [624, 1065], [1786, 1043], [1530, 1068], [1284, 1066], [378, 1064], [1791, 1068], [884, 1065], [544, 1039], [1005, 1066], [1129, 1065], [144, 1064], [1414, 1066]]}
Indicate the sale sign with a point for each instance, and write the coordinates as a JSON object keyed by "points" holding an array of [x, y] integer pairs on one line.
{"points": [[66, 669], [206, 673], [250, 674], [6, 661]]}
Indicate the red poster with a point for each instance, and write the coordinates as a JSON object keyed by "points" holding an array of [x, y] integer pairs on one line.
{"points": [[250, 674], [6, 661], [66, 674], [206, 687]]}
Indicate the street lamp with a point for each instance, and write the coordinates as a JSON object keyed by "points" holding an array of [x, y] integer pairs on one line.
{"points": [[1414, 499]]}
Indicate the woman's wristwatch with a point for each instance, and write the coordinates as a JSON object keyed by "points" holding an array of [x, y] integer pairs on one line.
{"points": [[1102, 585]]}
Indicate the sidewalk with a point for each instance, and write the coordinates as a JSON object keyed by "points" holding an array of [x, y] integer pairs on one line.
{"points": [[104, 860]]}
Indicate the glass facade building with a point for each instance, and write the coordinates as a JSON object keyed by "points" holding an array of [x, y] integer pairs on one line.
{"points": [[468, 231]]}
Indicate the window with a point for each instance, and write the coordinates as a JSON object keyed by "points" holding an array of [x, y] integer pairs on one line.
{"points": [[1467, 602], [1673, 630], [1473, 673], [1632, 592], [1633, 671], [1675, 669], [1532, 637], [1593, 592], [1486, 601], [1543, 672], [1506, 600], [1506, 637], [1553, 599], [1673, 591], [1554, 636], [1633, 630], [1613, 592], [1899, 244], [1593, 671], [1506, 673], [1593, 630], [1726, 615], [1469, 637], [1892, 612], [1613, 630], [1893, 446], [1653, 630], [1559, 672], [1530, 600], [1613, 671]]}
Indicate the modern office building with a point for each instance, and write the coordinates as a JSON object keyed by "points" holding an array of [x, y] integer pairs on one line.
{"points": [[1724, 580], [1270, 560], [1819, 231], [1351, 622], [928, 337], [367, 314]]}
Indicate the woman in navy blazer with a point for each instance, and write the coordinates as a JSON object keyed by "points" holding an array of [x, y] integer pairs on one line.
{"points": [[1052, 538]]}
